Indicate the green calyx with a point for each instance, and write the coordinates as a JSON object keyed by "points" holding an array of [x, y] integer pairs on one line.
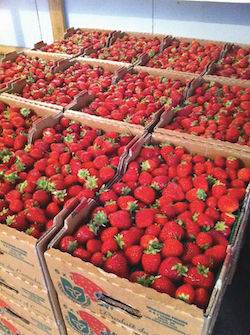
{"points": [[203, 270], [83, 174], [99, 220], [91, 182], [12, 177], [125, 190], [10, 219], [22, 186], [25, 112], [181, 269], [72, 246], [146, 280], [60, 194], [119, 240], [132, 206], [201, 194], [154, 247], [220, 226], [19, 165], [44, 184]]}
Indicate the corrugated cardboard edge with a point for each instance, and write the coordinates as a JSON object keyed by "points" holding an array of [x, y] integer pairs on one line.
{"points": [[221, 148], [30, 102]]}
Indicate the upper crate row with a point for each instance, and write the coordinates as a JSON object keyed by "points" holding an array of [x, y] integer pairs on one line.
{"points": [[155, 50], [133, 96]]}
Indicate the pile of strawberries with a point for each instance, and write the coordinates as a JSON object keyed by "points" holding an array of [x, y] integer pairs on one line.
{"points": [[166, 224], [215, 111], [128, 49], [235, 64], [61, 87], [37, 180], [24, 67], [79, 40], [186, 56], [136, 98]]}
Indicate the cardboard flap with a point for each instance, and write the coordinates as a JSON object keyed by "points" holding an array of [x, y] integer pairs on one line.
{"points": [[48, 121], [227, 48], [69, 32], [10, 56], [142, 59], [16, 86], [193, 85], [62, 65], [39, 45], [114, 36], [166, 118], [81, 100], [165, 43], [119, 74], [89, 50], [150, 126]]}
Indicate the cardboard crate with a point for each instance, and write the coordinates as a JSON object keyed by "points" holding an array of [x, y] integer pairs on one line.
{"points": [[79, 321], [240, 151], [17, 86], [142, 309], [83, 99], [26, 320], [22, 292], [9, 328], [113, 34]]}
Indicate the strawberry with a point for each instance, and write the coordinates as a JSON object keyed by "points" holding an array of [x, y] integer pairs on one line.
{"points": [[202, 259], [172, 247], [108, 233], [151, 260], [82, 253], [238, 193], [145, 178], [174, 191], [171, 230], [200, 182], [184, 169], [107, 195], [232, 162], [83, 234], [228, 203], [109, 246], [205, 221], [17, 221], [124, 239], [117, 264], [68, 244], [127, 202], [134, 254], [163, 285], [172, 268], [228, 218], [144, 218], [154, 230], [204, 240], [195, 194], [36, 215], [201, 297], [197, 206], [192, 229], [93, 245], [145, 194], [244, 174], [97, 259], [218, 189], [217, 253], [186, 293], [190, 250], [120, 219], [218, 238], [199, 276]]}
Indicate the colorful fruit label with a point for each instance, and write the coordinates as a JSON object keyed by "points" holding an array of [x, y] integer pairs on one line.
{"points": [[7, 328], [88, 324]]}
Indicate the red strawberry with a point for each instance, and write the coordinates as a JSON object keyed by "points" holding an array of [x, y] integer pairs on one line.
{"points": [[192, 229], [68, 244], [36, 215], [201, 297], [144, 218], [244, 174], [232, 162], [120, 219], [218, 189], [190, 250], [127, 202], [186, 293], [17, 221], [117, 264], [172, 268], [195, 194], [174, 191], [83, 234], [82, 253], [172, 247], [228, 218], [202, 259], [200, 182], [109, 245], [134, 254], [171, 230], [164, 285], [204, 240], [151, 260], [197, 206], [205, 221], [217, 253], [199, 276], [228, 203], [184, 169], [145, 194], [93, 245]]}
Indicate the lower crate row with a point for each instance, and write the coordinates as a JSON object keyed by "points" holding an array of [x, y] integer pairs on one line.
{"points": [[34, 279]]}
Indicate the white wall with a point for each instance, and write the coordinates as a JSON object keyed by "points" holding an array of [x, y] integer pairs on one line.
{"points": [[25, 22]]}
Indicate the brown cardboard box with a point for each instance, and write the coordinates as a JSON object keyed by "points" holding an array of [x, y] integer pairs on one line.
{"points": [[22, 292], [80, 321], [142, 309], [28, 321], [8, 327]]}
